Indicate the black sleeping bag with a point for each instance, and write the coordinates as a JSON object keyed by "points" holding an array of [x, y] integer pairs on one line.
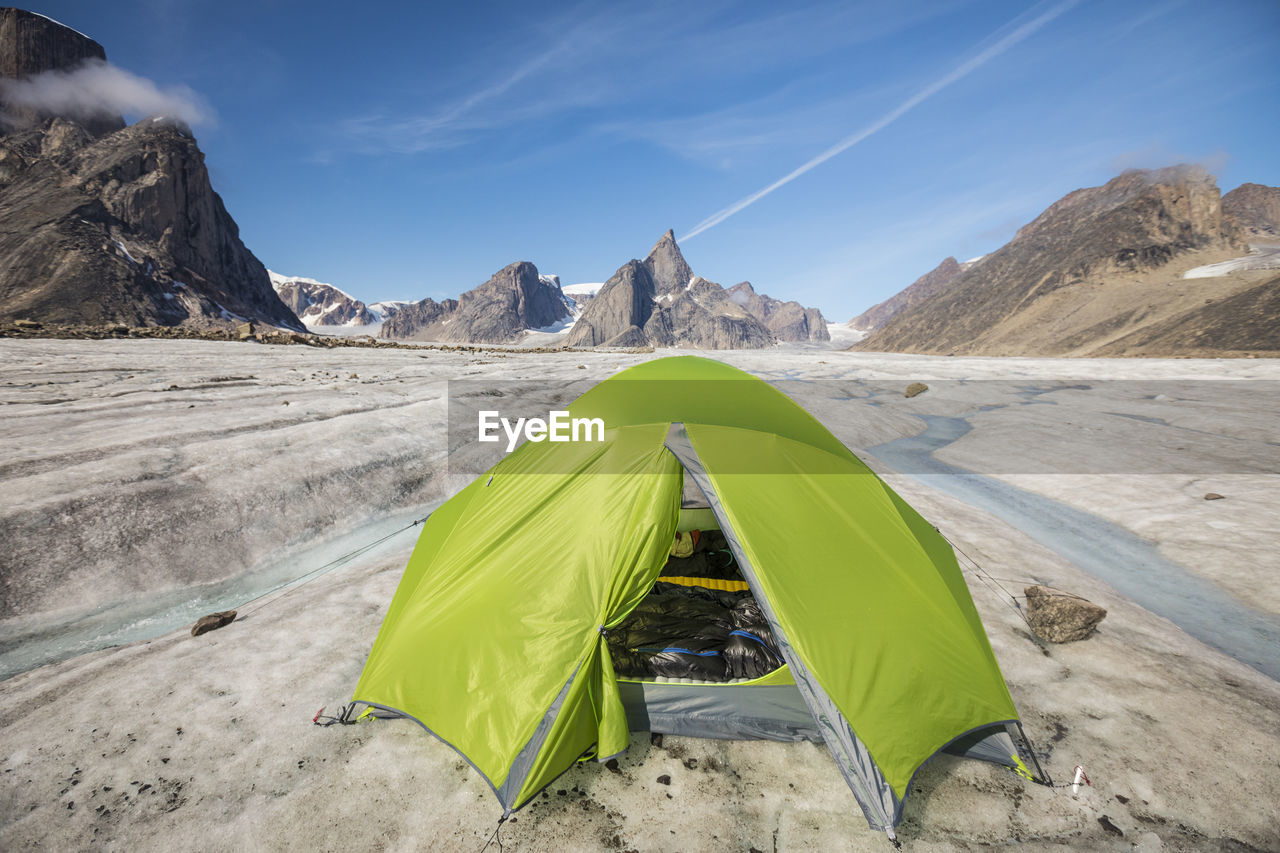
{"points": [[748, 655], [668, 615], [699, 658], [693, 632], [750, 650]]}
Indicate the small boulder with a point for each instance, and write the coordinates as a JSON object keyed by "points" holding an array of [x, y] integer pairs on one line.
{"points": [[213, 622], [1213, 496], [915, 389], [1108, 826], [27, 324], [245, 331], [1059, 617]]}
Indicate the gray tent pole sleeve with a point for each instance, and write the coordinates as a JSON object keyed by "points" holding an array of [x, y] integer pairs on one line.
{"points": [[1045, 778], [879, 803], [523, 763]]}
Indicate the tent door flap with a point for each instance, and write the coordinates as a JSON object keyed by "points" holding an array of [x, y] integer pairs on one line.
{"points": [[879, 802]]}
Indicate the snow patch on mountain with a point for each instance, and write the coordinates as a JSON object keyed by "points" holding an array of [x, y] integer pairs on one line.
{"points": [[278, 281], [1259, 258], [383, 310], [586, 288], [327, 309]]}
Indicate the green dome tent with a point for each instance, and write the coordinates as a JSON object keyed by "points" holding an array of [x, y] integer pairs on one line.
{"points": [[497, 638]]}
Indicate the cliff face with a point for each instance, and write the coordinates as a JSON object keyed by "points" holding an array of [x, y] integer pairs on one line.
{"points": [[620, 311], [122, 229], [789, 321], [704, 316], [412, 321], [499, 311], [1256, 208], [667, 266], [514, 299], [32, 44], [115, 227], [1094, 268]]}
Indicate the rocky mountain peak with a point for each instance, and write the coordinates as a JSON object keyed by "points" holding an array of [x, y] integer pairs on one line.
{"points": [[660, 302], [1098, 272], [32, 44], [104, 224], [1175, 208], [919, 290], [667, 265], [789, 321], [518, 299], [319, 304], [1256, 207], [514, 300]]}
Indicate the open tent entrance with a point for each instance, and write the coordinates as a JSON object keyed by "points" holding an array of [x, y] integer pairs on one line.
{"points": [[698, 655], [700, 621]]}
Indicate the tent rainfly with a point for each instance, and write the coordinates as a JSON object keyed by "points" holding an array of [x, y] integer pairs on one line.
{"points": [[497, 639]]}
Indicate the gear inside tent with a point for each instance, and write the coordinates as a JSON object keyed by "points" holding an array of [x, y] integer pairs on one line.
{"points": [[718, 566]]}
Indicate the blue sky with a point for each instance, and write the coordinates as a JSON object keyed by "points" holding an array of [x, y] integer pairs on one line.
{"points": [[410, 150]]}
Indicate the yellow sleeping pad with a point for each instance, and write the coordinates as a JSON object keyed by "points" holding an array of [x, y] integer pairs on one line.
{"points": [[708, 583]]}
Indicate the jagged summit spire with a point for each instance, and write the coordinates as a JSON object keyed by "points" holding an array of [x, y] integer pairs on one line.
{"points": [[666, 244], [667, 266]]}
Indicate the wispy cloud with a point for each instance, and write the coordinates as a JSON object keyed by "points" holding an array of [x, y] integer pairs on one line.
{"points": [[1142, 21], [644, 58], [780, 122], [98, 89], [982, 57], [444, 129], [718, 137], [486, 108], [806, 31]]}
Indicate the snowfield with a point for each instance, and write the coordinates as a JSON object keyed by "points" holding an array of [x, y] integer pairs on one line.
{"points": [[142, 477], [587, 288], [1259, 258], [844, 335], [315, 315]]}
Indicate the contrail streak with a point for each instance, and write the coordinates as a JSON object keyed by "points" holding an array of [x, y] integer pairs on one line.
{"points": [[889, 118]]}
